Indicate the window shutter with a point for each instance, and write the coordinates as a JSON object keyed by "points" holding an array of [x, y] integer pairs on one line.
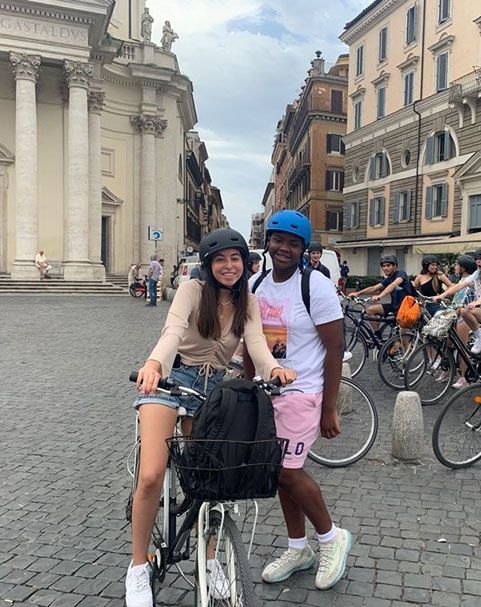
{"points": [[429, 202], [347, 216], [447, 145], [372, 168], [328, 180], [343, 148], [371, 212], [382, 204], [408, 205], [329, 144], [430, 141], [395, 207], [341, 181], [444, 200], [383, 165], [357, 212]]}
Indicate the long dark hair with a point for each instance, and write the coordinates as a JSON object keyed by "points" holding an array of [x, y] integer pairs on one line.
{"points": [[208, 317]]}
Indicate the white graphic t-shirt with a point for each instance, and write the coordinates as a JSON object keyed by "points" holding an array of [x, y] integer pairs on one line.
{"points": [[289, 329]]}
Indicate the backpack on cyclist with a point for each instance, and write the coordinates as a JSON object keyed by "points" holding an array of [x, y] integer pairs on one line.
{"points": [[234, 452], [408, 313], [439, 325], [305, 286]]}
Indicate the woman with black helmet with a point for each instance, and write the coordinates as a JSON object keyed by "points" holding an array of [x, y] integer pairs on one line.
{"points": [[429, 282], [253, 263], [204, 325]]}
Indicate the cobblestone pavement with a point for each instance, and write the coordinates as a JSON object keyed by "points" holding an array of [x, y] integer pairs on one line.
{"points": [[65, 429]]}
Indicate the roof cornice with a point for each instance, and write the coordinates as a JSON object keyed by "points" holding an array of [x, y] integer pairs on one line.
{"points": [[378, 12]]}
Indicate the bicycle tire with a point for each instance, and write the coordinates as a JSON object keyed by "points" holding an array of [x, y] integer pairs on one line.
{"points": [[357, 346], [359, 425], [436, 375], [460, 417], [234, 562], [392, 360], [137, 293]]}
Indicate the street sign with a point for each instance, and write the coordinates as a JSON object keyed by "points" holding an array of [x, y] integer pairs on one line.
{"points": [[155, 233]]}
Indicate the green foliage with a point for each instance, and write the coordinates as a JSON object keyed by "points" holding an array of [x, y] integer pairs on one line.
{"points": [[365, 281]]}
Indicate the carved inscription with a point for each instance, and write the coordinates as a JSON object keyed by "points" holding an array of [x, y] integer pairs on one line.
{"points": [[20, 26]]}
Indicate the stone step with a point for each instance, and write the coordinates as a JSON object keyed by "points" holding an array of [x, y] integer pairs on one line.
{"points": [[59, 287]]}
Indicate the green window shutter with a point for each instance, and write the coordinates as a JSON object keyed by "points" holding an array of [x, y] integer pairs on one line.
{"points": [[408, 205], [382, 205], [429, 202], [372, 168], [444, 200], [329, 144], [357, 213], [371, 212], [395, 207], [430, 141]]}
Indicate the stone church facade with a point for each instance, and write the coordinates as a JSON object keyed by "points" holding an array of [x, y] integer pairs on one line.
{"points": [[93, 119]]}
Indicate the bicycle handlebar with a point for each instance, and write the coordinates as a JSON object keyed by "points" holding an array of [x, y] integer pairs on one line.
{"points": [[164, 383]]}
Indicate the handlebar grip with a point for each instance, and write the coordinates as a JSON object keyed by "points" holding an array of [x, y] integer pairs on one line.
{"points": [[133, 376], [164, 382], [276, 382]]}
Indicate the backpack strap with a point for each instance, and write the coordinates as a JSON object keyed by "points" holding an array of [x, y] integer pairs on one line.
{"points": [[255, 286], [305, 288]]}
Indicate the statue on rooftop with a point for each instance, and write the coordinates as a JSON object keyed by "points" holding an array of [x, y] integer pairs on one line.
{"points": [[146, 21], [168, 36]]}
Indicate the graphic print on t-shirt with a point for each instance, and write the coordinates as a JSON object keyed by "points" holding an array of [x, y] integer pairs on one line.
{"points": [[274, 325]]}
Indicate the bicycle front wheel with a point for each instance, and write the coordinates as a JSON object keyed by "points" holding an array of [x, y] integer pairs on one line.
{"points": [[430, 372], [223, 576], [457, 430], [357, 346], [359, 422], [392, 359]]}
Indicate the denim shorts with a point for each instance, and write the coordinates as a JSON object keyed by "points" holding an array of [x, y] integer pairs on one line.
{"points": [[190, 377]]}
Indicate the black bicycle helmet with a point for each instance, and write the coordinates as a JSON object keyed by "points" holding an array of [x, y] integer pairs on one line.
{"points": [[388, 259], [251, 259], [223, 238], [467, 263], [314, 246], [427, 261]]}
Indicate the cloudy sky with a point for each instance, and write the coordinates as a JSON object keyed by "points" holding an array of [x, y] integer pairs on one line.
{"points": [[247, 60]]}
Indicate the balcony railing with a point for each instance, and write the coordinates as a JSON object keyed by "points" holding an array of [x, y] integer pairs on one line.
{"points": [[467, 86]]}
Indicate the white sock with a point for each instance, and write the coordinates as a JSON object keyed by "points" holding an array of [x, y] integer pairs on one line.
{"points": [[132, 567], [297, 542], [327, 537]]}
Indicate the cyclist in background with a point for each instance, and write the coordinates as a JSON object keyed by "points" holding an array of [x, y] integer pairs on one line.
{"points": [[253, 263], [396, 284], [429, 282], [315, 251], [313, 343], [204, 325]]}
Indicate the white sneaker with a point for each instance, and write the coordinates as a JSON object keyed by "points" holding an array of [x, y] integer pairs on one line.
{"points": [[291, 561], [462, 381], [138, 592], [476, 349], [332, 559], [435, 364], [442, 377], [218, 584]]}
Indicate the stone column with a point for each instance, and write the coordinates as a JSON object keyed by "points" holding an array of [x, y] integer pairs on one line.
{"points": [[95, 104], [149, 126], [76, 264], [25, 69]]}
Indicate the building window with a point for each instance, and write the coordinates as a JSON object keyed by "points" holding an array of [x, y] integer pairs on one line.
{"points": [[360, 61], [336, 101], [444, 10], [442, 66], [376, 211], [381, 102], [408, 88], [355, 174], [334, 220], [334, 181], [379, 166], [401, 207], [440, 147], [406, 158], [357, 114], [334, 143], [475, 213], [351, 219], [411, 25], [437, 201], [382, 45]]}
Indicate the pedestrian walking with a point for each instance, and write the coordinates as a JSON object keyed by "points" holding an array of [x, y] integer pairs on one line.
{"points": [[344, 270], [155, 270]]}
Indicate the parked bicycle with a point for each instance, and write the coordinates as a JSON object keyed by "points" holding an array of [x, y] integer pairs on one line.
{"points": [[202, 524], [139, 288]]}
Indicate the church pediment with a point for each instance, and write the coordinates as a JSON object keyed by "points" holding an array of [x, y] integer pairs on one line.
{"points": [[109, 197], [470, 169]]}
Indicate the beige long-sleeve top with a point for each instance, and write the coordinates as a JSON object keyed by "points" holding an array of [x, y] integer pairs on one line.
{"points": [[180, 334]]}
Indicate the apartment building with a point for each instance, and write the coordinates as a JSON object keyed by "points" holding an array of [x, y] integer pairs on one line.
{"points": [[413, 143], [308, 154], [256, 240]]}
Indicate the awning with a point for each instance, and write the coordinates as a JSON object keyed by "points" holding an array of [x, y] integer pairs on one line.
{"points": [[458, 244]]}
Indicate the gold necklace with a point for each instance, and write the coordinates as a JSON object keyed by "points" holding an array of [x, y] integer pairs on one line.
{"points": [[226, 303]]}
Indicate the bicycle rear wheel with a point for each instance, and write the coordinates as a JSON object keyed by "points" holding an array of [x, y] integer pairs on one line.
{"points": [[393, 357], [359, 423], [430, 372], [355, 343], [457, 430], [229, 582]]}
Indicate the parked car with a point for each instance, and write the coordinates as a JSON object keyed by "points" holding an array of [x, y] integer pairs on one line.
{"points": [[185, 266]]}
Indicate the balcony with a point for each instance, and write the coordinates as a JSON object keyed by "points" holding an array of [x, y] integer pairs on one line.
{"points": [[297, 172], [465, 92]]}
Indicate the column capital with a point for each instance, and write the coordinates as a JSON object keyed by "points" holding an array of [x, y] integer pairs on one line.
{"points": [[25, 66], [96, 100], [146, 123], [78, 73]]}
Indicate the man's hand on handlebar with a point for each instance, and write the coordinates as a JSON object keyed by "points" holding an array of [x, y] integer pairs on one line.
{"points": [[286, 376], [149, 377]]}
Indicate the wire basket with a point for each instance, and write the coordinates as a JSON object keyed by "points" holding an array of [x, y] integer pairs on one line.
{"points": [[223, 470]]}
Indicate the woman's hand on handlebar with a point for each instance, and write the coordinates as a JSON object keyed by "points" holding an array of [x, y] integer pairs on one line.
{"points": [[286, 376], [149, 377]]}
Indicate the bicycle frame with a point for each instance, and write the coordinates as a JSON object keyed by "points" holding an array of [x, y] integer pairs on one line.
{"points": [[364, 328], [463, 351]]}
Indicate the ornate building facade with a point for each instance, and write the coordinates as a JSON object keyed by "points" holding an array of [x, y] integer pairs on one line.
{"points": [[92, 137]]}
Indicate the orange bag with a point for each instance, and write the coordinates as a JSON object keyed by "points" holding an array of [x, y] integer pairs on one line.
{"points": [[408, 313]]}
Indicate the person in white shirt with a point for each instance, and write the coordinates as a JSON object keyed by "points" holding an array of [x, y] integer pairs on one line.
{"points": [[42, 265], [134, 274]]}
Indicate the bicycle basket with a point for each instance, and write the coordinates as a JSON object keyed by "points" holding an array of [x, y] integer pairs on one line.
{"points": [[439, 325], [222, 470]]}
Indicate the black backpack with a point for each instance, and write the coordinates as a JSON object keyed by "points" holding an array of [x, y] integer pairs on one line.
{"points": [[235, 453], [305, 286]]}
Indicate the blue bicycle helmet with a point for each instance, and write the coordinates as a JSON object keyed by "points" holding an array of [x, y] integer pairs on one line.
{"points": [[291, 222]]}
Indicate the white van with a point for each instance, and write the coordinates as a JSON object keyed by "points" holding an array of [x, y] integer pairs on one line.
{"points": [[328, 259]]}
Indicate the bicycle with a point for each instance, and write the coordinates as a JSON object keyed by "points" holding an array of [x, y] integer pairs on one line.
{"points": [[359, 425], [139, 289], [431, 369], [456, 437], [205, 521]]}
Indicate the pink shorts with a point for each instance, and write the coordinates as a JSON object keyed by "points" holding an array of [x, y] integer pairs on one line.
{"points": [[298, 418]]}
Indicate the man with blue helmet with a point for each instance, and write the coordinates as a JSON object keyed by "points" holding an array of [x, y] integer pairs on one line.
{"points": [[312, 343]]}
